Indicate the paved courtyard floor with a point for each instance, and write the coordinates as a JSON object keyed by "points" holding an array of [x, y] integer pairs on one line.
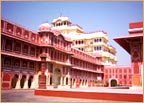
{"points": [[28, 95]]}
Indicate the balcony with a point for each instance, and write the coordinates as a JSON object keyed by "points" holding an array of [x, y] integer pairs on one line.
{"points": [[19, 55]]}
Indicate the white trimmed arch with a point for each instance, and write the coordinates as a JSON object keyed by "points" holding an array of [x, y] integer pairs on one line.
{"points": [[113, 78]]}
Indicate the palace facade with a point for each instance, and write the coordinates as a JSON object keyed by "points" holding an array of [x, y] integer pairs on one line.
{"points": [[92, 43], [59, 56], [26, 56]]}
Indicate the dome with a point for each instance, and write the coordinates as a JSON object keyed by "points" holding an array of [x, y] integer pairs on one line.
{"points": [[44, 27], [56, 31]]}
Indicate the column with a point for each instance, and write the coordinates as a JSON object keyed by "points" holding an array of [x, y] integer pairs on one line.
{"points": [[22, 32], [14, 30], [3, 44], [68, 59], [142, 75], [34, 84], [61, 82], [36, 68], [21, 48], [47, 79], [4, 26], [29, 47], [13, 45], [18, 82], [26, 82], [29, 33], [64, 83], [69, 81]]}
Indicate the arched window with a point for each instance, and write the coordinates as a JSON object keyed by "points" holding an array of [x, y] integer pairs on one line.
{"points": [[82, 42], [100, 48], [82, 49], [18, 47], [76, 42], [100, 39], [17, 63], [32, 51], [79, 42], [24, 64], [95, 48], [7, 62], [25, 49], [8, 45], [95, 40], [31, 65], [64, 22]]}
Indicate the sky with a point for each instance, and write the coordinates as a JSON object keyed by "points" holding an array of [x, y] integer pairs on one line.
{"points": [[111, 17]]}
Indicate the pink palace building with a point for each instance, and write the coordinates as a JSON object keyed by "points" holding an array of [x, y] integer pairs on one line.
{"points": [[27, 56], [46, 59]]}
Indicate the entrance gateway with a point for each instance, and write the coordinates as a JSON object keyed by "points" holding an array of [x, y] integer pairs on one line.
{"points": [[113, 82]]}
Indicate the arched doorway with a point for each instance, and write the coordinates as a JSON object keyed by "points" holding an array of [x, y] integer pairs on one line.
{"points": [[80, 83], [14, 81], [57, 77], [30, 81], [50, 80], [22, 81], [66, 80], [86, 82], [113, 82], [83, 83], [73, 82]]}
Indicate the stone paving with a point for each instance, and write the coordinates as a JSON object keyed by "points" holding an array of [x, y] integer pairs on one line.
{"points": [[28, 95]]}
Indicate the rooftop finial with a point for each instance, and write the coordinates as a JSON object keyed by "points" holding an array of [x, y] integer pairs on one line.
{"points": [[45, 21], [60, 14]]}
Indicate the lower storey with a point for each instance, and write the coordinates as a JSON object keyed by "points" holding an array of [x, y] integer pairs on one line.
{"points": [[27, 80]]}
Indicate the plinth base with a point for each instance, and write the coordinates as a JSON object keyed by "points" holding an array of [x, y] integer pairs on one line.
{"points": [[136, 88], [130, 97]]}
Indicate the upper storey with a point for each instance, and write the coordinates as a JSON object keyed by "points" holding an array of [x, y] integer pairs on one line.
{"points": [[61, 21], [17, 31], [47, 36], [65, 26], [22, 33]]}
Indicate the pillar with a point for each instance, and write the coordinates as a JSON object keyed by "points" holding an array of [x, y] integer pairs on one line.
{"points": [[142, 75], [26, 82], [34, 84], [14, 30], [64, 80], [47, 78], [18, 82], [61, 82], [69, 81]]}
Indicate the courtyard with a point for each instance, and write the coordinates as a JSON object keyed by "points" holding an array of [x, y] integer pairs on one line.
{"points": [[28, 96], [25, 95]]}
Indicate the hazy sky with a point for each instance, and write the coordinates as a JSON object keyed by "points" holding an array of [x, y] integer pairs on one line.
{"points": [[112, 17]]}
